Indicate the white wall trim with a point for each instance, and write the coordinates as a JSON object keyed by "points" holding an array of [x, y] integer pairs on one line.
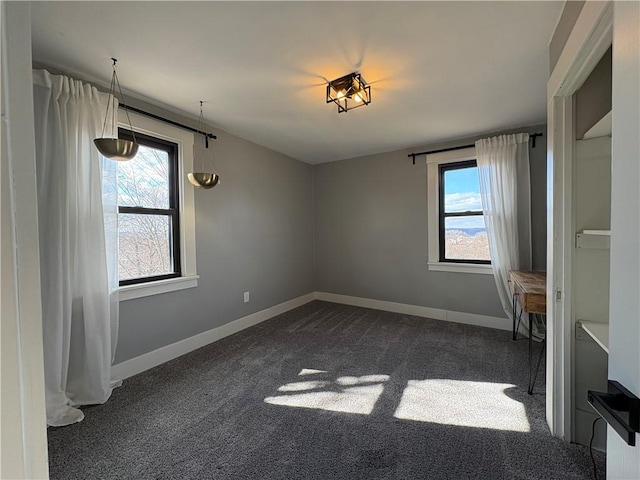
{"points": [[434, 160], [185, 140], [588, 41], [138, 290], [460, 267], [23, 433], [449, 156], [427, 312], [560, 245], [164, 354]]}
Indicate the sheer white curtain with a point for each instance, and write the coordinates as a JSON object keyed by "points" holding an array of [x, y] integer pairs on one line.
{"points": [[503, 169], [77, 248]]}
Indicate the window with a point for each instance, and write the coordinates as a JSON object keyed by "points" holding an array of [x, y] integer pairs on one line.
{"points": [[148, 215], [156, 212], [456, 230], [462, 232]]}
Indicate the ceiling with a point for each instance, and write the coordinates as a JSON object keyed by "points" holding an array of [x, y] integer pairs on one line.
{"points": [[438, 70]]}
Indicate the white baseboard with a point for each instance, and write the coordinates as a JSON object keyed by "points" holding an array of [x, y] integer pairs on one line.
{"points": [[161, 355], [157, 357], [428, 312]]}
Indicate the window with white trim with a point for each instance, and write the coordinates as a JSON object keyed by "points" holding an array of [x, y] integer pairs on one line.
{"points": [[156, 218], [148, 213], [457, 232]]}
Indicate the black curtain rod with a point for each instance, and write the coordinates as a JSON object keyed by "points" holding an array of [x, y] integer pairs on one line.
{"points": [[166, 120], [532, 136]]}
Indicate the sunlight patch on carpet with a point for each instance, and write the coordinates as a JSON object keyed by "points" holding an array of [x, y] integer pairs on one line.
{"points": [[346, 394], [310, 371], [462, 403]]}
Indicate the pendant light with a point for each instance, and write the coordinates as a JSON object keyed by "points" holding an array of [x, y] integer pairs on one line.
{"points": [[116, 148], [203, 179]]}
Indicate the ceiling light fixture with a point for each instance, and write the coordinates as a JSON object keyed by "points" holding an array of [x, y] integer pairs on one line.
{"points": [[114, 147], [201, 179], [349, 92]]}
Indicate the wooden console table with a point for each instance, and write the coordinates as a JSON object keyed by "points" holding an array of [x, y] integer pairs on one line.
{"points": [[529, 290]]}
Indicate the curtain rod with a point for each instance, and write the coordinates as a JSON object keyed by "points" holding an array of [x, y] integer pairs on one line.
{"points": [[533, 136], [128, 107], [166, 120]]}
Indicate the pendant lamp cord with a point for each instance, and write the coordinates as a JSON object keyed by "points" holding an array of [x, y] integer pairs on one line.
{"points": [[201, 125], [112, 101], [202, 131], [115, 75], [201, 128]]}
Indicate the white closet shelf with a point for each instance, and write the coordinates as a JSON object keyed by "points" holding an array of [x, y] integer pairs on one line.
{"points": [[596, 239], [598, 331], [601, 128]]}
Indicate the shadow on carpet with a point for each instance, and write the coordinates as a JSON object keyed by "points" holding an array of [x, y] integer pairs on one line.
{"points": [[328, 391]]}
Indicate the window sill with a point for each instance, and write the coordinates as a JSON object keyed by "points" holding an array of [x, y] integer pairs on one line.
{"points": [[460, 267], [129, 292]]}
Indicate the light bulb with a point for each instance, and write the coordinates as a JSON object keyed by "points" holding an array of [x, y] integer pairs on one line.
{"points": [[340, 94], [357, 98]]}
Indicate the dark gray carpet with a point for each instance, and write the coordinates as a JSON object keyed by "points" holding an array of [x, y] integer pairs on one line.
{"points": [[328, 391]]}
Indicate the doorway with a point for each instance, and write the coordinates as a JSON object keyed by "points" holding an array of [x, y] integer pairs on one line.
{"points": [[587, 45]]}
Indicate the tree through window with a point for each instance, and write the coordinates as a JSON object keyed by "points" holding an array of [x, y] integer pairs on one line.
{"points": [[148, 223]]}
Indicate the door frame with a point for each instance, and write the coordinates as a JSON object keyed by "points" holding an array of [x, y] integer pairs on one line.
{"points": [[590, 38], [23, 433]]}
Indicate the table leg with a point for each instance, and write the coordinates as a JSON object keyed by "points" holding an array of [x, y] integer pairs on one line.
{"points": [[533, 376], [530, 390], [513, 315], [517, 322]]}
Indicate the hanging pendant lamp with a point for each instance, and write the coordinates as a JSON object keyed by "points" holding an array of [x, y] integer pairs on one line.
{"points": [[203, 179], [116, 148]]}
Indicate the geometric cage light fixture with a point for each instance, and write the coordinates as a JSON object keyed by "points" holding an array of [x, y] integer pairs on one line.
{"points": [[349, 92]]}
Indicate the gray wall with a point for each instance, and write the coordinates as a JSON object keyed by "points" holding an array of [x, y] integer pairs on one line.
{"points": [[371, 233], [561, 34], [593, 98], [257, 231], [538, 166], [254, 232]]}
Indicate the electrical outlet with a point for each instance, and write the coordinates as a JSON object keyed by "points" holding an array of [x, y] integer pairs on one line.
{"points": [[246, 297]]}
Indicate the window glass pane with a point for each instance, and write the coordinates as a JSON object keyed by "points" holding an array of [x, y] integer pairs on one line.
{"points": [[465, 238], [144, 181], [462, 190], [145, 245]]}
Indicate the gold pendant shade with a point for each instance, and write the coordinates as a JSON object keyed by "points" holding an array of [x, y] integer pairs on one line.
{"points": [[203, 179], [116, 148]]}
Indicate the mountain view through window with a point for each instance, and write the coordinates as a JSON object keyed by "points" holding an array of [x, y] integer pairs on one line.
{"points": [[464, 230]]}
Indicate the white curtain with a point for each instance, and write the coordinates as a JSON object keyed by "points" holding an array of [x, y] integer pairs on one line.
{"points": [[78, 250], [503, 169]]}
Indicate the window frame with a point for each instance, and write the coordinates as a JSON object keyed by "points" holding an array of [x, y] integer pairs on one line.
{"points": [[186, 205], [434, 262], [442, 215], [173, 211]]}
